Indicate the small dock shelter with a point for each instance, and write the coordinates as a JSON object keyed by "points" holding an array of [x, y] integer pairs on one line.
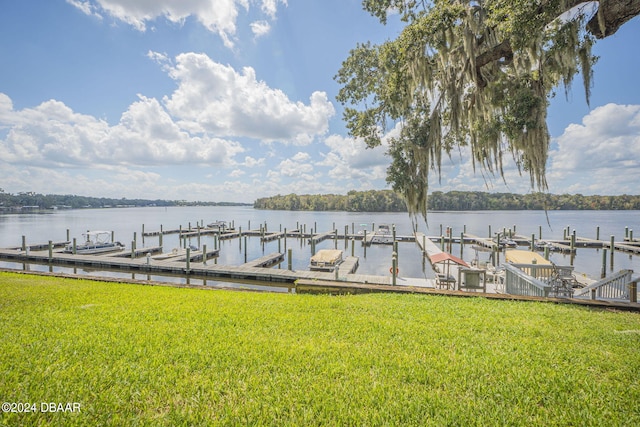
{"points": [[445, 275]]}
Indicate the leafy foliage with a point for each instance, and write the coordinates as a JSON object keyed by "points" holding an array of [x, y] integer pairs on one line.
{"points": [[389, 201], [464, 73]]}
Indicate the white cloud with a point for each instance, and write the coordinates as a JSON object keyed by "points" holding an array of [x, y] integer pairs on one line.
{"points": [[270, 7], [212, 97], [605, 149], [296, 166], [85, 7], [218, 16], [52, 135], [353, 162], [260, 28]]}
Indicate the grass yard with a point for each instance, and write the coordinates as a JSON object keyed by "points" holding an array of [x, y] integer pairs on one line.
{"points": [[145, 355]]}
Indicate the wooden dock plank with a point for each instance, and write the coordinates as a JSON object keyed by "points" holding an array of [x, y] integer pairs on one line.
{"points": [[265, 261], [317, 238]]}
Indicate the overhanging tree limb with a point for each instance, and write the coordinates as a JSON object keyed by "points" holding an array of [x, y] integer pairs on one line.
{"points": [[469, 73]]}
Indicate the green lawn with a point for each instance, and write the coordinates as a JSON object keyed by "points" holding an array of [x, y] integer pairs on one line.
{"points": [[145, 355]]}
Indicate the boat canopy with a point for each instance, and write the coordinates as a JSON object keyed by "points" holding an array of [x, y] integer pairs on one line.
{"points": [[444, 256], [525, 257], [327, 256]]}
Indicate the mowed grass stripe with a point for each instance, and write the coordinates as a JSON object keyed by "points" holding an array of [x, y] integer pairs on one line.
{"points": [[164, 356]]}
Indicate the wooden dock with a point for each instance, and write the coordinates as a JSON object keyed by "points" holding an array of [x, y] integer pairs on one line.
{"points": [[317, 238], [266, 261], [628, 247], [254, 270], [271, 236], [484, 242]]}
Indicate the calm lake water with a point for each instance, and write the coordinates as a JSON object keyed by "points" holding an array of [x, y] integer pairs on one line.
{"points": [[39, 228]]}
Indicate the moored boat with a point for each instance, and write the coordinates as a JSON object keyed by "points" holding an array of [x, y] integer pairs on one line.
{"points": [[96, 242], [326, 260]]}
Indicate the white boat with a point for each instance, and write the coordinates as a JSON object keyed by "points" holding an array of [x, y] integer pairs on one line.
{"points": [[326, 260], [96, 242], [383, 235], [217, 224]]}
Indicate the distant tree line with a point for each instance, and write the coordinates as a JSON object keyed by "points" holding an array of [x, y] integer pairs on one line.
{"points": [[389, 201], [31, 200]]}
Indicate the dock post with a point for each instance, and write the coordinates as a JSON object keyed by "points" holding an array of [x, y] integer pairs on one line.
{"points": [[394, 267], [24, 243], [161, 229], [285, 239], [148, 259], [626, 232], [50, 251], [573, 241], [113, 235], [461, 244], [533, 241], [353, 228], [335, 238], [598, 232], [143, 229], [68, 235], [631, 235], [346, 231], [204, 254], [489, 230], [540, 232], [245, 248], [352, 246], [441, 242], [160, 239], [289, 261], [188, 259], [279, 245], [74, 246], [546, 253], [603, 270], [135, 237], [133, 249], [612, 247]]}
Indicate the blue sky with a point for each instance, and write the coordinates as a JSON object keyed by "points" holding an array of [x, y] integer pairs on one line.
{"points": [[231, 100]]}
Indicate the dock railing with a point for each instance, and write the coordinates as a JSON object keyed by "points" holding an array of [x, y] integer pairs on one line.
{"points": [[616, 287], [518, 282]]}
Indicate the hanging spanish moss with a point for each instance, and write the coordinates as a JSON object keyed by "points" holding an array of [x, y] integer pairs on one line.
{"points": [[465, 75]]}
